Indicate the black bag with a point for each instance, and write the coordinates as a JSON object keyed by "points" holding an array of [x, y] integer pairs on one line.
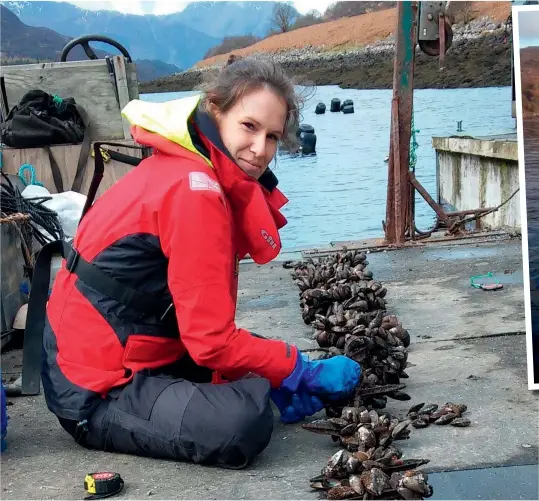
{"points": [[41, 120]]}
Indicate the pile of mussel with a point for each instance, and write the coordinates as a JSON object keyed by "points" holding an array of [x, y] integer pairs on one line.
{"points": [[369, 466], [347, 309]]}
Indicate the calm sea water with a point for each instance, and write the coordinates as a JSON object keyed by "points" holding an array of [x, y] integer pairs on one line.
{"points": [[340, 194]]}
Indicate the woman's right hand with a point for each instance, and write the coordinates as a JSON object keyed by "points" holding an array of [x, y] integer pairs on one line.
{"points": [[330, 379]]}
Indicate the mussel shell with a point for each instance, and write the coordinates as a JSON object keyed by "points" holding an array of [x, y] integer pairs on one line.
{"points": [[419, 423], [341, 492], [399, 429], [460, 422], [348, 430], [366, 436], [374, 418], [406, 493], [364, 417], [446, 418], [353, 465], [429, 409], [356, 484], [350, 414], [416, 484], [375, 481]]}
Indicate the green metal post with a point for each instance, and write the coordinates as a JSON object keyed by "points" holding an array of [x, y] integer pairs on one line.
{"points": [[398, 193]]}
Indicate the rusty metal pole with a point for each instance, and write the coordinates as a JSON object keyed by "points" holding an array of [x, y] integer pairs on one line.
{"points": [[401, 118]]}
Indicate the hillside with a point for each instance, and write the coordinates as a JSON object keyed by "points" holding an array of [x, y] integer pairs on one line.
{"points": [[349, 32], [358, 52], [22, 44], [182, 38], [529, 70], [20, 41]]}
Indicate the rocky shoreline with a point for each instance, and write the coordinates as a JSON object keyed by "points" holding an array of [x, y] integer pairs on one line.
{"points": [[480, 56]]}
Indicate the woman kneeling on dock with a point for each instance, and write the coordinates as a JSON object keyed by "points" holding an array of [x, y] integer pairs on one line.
{"points": [[147, 360]]}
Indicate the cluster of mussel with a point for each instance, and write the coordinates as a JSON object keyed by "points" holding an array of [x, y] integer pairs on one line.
{"points": [[370, 465], [347, 309], [423, 415]]}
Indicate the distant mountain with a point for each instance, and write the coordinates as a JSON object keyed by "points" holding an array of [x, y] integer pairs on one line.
{"points": [[22, 44], [20, 41], [226, 19], [145, 37], [149, 70], [181, 39]]}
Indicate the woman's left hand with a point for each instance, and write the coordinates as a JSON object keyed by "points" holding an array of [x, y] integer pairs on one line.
{"points": [[295, 407]]}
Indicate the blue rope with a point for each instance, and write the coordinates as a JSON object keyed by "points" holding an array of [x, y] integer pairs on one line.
{"points": [[57, 100], [23, 178]]}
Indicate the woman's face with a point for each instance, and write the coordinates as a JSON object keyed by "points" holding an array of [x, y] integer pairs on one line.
{"points": [[251, 129]]}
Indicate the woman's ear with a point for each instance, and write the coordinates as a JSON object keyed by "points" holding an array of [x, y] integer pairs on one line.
{"points": [[214, 110]]}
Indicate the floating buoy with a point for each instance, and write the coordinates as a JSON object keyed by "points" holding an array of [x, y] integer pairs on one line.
{"points": [[307, 139], [346, 102], [335, 105], [304, 128], [320, 109], [308, 143]]}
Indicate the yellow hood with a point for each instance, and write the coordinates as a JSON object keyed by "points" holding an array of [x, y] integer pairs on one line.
{"points": [[168, 119]]}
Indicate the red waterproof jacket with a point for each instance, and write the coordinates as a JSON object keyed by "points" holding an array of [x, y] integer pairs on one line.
{"points": [[177, 226]]}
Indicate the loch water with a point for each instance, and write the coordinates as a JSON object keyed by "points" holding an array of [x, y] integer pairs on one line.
{"points": [[340, 194]]}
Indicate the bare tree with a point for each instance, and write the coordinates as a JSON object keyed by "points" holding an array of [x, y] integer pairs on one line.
{"points": [[282, 16], [460, 12], [314, 13]]}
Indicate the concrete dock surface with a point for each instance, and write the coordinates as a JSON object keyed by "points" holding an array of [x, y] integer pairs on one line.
{"points": [[468, 346]]}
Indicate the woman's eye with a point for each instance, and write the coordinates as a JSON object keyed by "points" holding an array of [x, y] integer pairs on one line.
{"points": [[249, 125], [273, 137]]}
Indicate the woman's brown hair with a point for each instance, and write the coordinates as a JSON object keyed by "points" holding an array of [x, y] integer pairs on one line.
{"points": [[243, 75]]}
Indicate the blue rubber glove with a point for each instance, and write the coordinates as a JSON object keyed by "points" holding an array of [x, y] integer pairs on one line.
{"points": [[295, 407], [331, 379]]}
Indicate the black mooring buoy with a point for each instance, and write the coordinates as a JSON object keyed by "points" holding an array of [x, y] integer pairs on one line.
{"points": [[335, 105], [320, 109]]}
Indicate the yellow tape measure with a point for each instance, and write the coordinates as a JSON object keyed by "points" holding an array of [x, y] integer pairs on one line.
{"points": [[102, 484]]}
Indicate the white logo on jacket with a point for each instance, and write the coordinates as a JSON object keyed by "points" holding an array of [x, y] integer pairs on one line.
{"points": [[268, 238], [200, 181]]}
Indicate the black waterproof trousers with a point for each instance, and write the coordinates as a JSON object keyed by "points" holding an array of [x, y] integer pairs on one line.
{"points": [[179, 414]]}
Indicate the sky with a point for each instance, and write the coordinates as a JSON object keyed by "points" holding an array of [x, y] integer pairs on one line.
{"points": [[528, 27], [170, 6]]}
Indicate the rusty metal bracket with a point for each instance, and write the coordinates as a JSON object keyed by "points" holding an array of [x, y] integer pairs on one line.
{"points": [[441, 28], [425, 194]]}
